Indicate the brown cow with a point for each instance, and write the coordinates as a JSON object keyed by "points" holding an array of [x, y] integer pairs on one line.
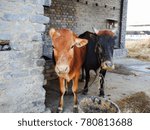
{"points": [[69, 54]]}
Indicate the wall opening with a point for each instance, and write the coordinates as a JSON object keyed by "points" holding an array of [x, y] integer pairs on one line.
{"points": [[4, 45], [96, 4]]}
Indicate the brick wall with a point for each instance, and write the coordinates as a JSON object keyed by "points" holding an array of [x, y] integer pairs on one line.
{"points": [[84, 15], [21, 68], [63, 15]]}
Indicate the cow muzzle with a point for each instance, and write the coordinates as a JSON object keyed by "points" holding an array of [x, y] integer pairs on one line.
{"points": [[108, 65], [62, 69]]}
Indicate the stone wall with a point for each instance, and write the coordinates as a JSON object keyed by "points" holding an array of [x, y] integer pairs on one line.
{"points": [[21, 68]]}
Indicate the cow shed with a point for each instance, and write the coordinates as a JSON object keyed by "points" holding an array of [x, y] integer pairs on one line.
{"points": [[25, 48]]}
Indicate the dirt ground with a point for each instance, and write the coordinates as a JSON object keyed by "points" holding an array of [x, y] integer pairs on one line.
{"points": [[128, 85]]}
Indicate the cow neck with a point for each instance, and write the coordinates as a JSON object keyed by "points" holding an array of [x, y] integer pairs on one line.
{"points": [[72, 62], [99, 57]]}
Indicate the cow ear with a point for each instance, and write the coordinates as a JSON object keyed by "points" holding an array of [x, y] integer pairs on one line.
{"points": [[51, 32], [80, 42]]}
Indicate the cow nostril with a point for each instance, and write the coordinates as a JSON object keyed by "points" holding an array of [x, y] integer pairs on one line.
{"points": [[57, 69], [109, 64], [66, 69], [62, 69]]}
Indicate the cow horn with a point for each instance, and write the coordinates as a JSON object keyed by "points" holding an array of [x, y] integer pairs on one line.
{"points": [[95, 30]]}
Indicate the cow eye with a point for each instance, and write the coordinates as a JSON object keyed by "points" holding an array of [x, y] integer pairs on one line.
{"points": [[53, 47], [72, 47]]}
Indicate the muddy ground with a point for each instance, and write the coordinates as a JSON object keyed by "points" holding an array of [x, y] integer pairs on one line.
{"points": [[128, 86]]}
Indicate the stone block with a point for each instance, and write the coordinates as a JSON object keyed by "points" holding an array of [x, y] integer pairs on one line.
{"points": [[40, 62], [38, 2], [4, 26], [39, 27], [16, 74], [21, 1], [27, 9], [24, 46], [47, 2], [17, 55], [39, 9], [5, 36], [37, 51], [24, 36], [37, 37], [37, 71], [15, 17], [39, 19]]}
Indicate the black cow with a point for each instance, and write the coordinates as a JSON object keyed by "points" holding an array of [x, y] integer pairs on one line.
{"points": [[99, 55]]}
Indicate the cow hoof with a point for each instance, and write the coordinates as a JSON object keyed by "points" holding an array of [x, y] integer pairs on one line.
{"points": [[66, 93], [59, 110], [85, 91], [82, 80], [101, 95], [75, 110]]}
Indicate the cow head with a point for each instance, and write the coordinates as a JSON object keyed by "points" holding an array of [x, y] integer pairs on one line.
{"points": [[106, 41], [64, 42]]}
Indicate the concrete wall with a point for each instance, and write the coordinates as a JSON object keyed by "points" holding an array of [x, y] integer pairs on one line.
{"points": [[123, 24], [21, 68]]}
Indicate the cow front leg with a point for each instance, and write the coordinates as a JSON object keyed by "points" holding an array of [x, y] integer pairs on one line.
{"points": [[62, 92], [82, 75], [101, 89], [75, 90], [85, 90], [66, 87]]}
